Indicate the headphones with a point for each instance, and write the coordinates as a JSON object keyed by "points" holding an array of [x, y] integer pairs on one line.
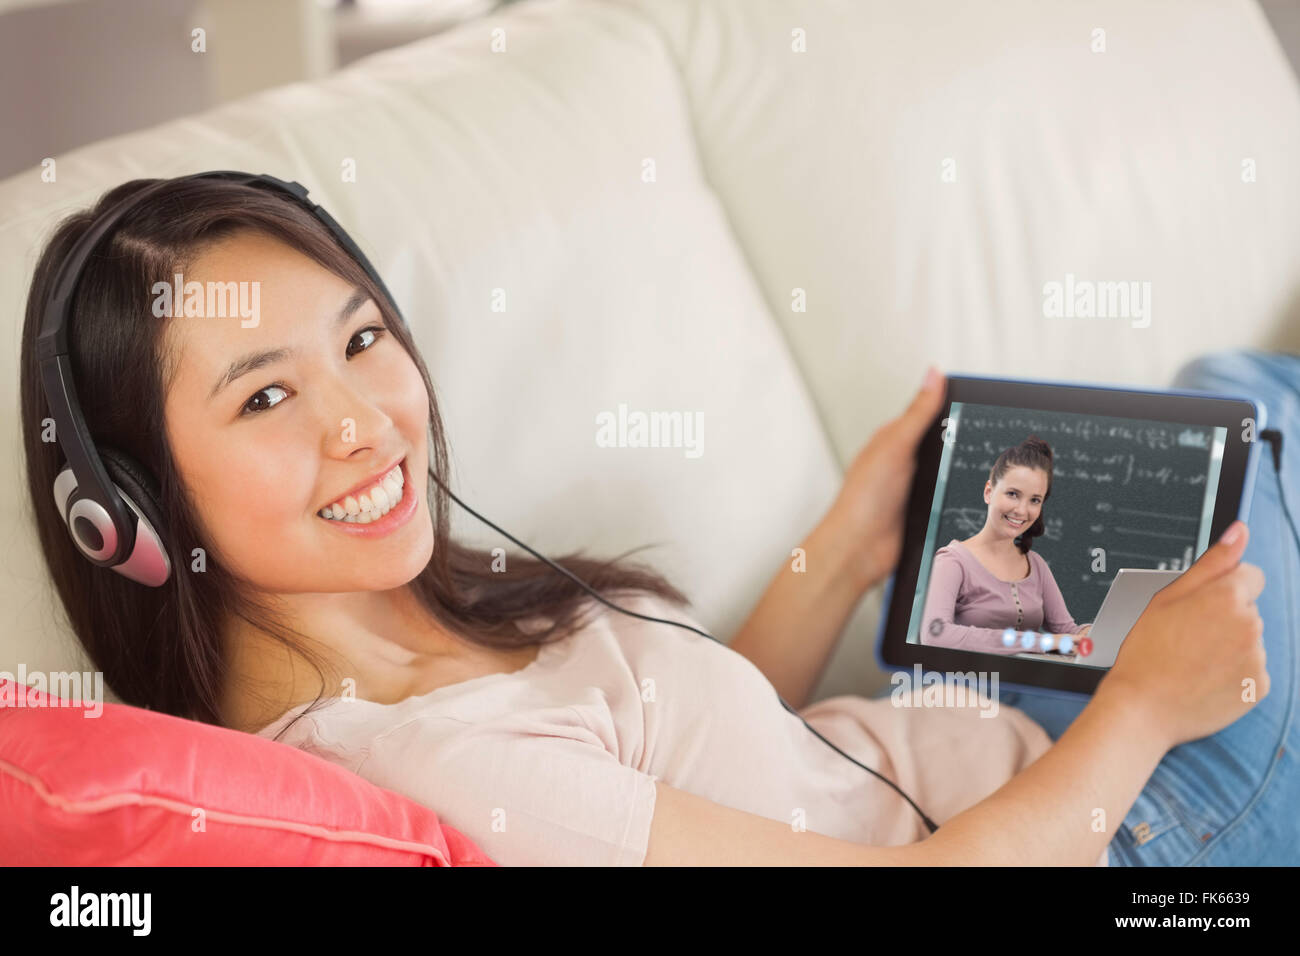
{"points": [[112, 506]]}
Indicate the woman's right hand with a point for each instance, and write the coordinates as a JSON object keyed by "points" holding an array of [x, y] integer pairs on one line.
{"points": [[1189, 656]]}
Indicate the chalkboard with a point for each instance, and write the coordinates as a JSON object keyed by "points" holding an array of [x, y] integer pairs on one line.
{"points": [[1135, 488]]}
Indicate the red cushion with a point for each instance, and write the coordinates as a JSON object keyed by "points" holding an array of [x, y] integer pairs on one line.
{"points": [[123, 788]]}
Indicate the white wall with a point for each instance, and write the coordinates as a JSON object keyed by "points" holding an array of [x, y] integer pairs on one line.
{"points": [[77, 71]]}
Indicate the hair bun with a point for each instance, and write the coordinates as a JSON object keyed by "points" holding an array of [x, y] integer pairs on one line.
{"points": [[1037, 444]]}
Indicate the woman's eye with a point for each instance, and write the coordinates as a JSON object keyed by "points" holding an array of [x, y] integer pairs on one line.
{"points": [[376, 332], [248, 406]]}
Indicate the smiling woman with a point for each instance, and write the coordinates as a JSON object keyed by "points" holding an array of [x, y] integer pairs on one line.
{"points": [[297, 462], [984, 590]]}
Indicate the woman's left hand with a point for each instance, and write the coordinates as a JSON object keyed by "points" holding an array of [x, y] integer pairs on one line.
{"points": [[871, 503]]}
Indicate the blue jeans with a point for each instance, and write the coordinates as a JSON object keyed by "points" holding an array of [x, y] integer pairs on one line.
{"points": [[1231, 799]]}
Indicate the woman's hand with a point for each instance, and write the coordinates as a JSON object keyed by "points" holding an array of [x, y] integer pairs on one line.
{"points": [[1197, 648], [870, 506]]}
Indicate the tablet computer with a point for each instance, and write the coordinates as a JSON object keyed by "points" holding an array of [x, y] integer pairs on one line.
{"points": [[1009, 573]]}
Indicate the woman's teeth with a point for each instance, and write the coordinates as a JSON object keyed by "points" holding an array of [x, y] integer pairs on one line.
{"points": [[371, 505], [1013, 521]]}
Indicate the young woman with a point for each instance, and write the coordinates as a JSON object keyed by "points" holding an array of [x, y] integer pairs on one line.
{"points": [[551, 735], [993, 581]]}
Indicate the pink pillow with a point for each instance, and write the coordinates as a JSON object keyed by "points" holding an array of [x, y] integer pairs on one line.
{"points": [[138, 788]]}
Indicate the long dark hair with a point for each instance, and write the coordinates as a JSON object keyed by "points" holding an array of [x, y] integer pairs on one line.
{"points": [[163, 648], [1033, 452]]}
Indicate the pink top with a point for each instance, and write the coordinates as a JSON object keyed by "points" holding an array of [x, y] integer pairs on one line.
{"points": [[555, 764], [974, 606]]}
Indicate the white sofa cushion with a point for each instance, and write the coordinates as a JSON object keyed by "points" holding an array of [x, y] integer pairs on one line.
{"points": [[1125, 164]]}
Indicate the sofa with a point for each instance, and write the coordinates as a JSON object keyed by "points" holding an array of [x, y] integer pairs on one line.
{"points": [[772, 214]]}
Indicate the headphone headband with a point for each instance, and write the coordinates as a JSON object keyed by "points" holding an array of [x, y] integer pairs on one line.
{"points": [[96, 509]]}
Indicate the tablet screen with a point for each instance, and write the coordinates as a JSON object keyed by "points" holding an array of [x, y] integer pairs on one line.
{"points": [[1018, 564], [1042, 518]]}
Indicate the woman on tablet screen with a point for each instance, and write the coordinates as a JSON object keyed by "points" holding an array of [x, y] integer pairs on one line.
{"points": [[993, 582]]}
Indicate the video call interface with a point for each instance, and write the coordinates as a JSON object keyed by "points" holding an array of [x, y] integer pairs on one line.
{"points": [[1124, 493]]}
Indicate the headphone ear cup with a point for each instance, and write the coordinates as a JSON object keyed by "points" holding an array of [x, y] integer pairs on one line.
{"points": [[136, 484], [148, 562]]}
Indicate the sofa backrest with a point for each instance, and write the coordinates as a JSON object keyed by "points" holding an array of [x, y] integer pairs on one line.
{"points": [[923, 170]]}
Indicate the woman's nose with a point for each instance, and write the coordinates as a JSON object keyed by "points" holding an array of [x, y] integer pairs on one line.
{"points": [[351, 421]]}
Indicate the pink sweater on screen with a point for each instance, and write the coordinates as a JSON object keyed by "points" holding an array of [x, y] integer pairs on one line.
{"points": [[556, 763], [973, 606]]}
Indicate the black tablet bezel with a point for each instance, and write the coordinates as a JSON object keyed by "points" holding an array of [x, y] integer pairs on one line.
{"points": [[1179, 407]]}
